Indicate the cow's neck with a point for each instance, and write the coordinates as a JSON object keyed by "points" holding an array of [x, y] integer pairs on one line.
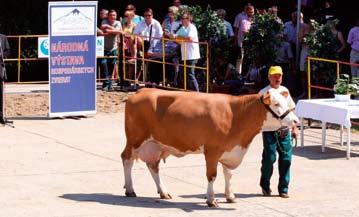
{"points": [[249, 118]]}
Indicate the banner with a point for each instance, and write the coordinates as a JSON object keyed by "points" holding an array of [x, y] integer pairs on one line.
{"points": [[72, 58], [43, 47]]}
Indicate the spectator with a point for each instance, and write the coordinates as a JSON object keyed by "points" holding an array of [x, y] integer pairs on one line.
{"points": [[274, 10], [149, 33], [304, 30], [190, 53], [103, 16], [338, 36], [327, 12], [353, 40], [136, 19], [229, 30], [169, 24], [128, 27], [110, 28], [285, 59], [149, 30], [242, 25], [290, 29]]}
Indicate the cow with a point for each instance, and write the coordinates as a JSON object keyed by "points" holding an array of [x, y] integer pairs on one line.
{"points": [[159, 123]]}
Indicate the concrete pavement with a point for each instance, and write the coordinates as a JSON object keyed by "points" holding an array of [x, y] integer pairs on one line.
{"points": [[67, 167]]}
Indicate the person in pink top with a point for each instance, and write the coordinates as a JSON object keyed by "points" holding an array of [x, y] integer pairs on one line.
{"points": [[353, 40]]}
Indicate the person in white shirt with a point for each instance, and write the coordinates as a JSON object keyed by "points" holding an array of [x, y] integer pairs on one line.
{"points": [[277, 140], [149, 31], [187, 35]]}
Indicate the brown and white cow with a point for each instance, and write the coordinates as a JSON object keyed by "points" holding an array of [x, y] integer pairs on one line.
{"points": [[160, 123]]}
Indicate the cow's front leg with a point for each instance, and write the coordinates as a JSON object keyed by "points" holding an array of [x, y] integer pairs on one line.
{"points": [[228, 192], [161, 188], [211, 166]]}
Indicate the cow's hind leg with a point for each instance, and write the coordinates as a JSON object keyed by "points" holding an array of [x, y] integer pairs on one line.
{"points": [[228, 192], [161, 188], [127, 160]]}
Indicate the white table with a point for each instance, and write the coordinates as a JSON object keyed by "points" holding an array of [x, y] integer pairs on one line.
{"points": [[331, 111]]}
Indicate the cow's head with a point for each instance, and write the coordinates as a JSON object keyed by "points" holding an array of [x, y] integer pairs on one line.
{"points": [[278, 112]]}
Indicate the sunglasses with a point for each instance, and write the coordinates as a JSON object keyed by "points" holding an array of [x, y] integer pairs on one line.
{"points": [[184, 18], [148, 15]]}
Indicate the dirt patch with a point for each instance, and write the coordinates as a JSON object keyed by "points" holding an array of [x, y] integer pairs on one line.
{"points": [[37, 104]]}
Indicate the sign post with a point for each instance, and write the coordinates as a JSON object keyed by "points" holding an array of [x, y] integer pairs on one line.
{"points": [[72, 58]]}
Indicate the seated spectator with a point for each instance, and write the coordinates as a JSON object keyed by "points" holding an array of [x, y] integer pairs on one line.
{"points": [[136, 19], [103, 16]]}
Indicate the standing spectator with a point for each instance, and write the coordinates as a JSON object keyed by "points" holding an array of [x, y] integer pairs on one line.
{"points": [[189, 48], [136, 19], [229, 30], [353, 40], [285, 59], [170, 24], [149, 33], [4, 53], [242, 25], [128, 27], [277, 140], [290, 29], [338, 36], [103, 16], [274, 10], [110, 28], [149, 30], [327, 12]]}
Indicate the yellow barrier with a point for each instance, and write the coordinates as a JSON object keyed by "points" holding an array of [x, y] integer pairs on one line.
{"points": [[20, 59], [309, 85]]}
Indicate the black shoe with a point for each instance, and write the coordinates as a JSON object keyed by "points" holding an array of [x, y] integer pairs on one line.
{"points": [[283, 195], [266, 193]]}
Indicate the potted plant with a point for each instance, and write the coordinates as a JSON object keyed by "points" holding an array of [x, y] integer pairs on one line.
{"points": [[345, 87]]}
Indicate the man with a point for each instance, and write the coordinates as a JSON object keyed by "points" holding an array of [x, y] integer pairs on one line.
{"points": [[190, 53], [277, 140], [4, 52], [221, 13], [242, 24]]}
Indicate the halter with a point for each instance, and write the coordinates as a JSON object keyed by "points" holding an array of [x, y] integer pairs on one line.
{"points": [[275, 115]]}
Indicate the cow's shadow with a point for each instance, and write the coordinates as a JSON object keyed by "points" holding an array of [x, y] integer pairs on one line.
{"points": [[144, 202], [221, 196]]}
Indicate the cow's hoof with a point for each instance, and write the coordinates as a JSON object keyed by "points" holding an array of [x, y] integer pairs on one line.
{"points": [[212, 203], [165, 196], [130, 194], [231, 200]]}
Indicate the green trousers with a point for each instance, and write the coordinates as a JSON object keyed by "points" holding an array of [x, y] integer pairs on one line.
{"points": [[272, 144]]}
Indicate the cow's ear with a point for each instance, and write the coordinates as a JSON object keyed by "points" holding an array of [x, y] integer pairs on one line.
{"points": [[285, 93], [267, 98]]}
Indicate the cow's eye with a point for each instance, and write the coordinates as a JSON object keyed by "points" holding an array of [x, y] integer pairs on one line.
{"points": [[276, 105]]}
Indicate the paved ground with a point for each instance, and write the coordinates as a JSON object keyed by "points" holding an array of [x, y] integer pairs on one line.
{"points": [[67, 167]]}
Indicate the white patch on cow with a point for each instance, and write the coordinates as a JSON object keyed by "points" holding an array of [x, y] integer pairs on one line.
{"points": [[161, 188], [228, 192], [151, 150], [210, 191], [127, 167], [232, 159]]}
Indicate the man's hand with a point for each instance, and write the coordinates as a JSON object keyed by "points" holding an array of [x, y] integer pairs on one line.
{"points": [[295, 131]]}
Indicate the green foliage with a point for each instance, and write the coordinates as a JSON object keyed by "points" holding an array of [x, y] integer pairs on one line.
{"points": [[261, 41], [345, 85], [208, 24], [322, 44]]}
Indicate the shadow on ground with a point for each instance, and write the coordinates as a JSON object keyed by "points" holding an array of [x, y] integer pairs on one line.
{"points": [[221, 196], [144, 202], [315, 152]]}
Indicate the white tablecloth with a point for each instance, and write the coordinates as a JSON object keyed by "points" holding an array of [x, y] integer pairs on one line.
{"points": [[328, 110]]}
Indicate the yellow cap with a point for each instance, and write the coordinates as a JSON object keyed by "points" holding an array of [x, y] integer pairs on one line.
{"points": [[275, 70]]}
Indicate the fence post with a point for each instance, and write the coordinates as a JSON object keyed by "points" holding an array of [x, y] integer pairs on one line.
{"points": [[19, 60], [308, 78]]}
